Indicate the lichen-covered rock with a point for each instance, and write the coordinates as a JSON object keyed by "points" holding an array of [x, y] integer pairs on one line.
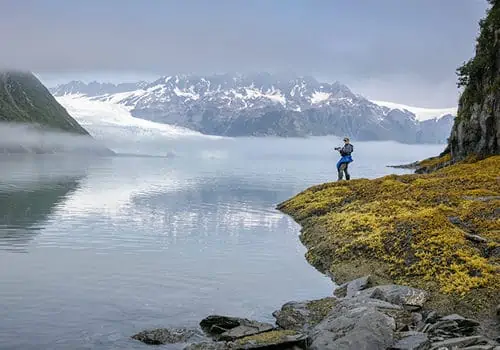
{"points": [[399, 295], [274, 340], [356, 324], [302, 316], [162, 336], [230, 328], [349, 289]]}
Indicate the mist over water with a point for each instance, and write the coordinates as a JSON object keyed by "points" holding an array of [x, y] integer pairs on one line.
{"points": [[99, 248], [16, 135]]}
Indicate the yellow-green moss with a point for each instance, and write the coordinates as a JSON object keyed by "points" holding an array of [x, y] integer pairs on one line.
{"points": [[266, 337], [321, 308], [434, 162], [401, 225]]}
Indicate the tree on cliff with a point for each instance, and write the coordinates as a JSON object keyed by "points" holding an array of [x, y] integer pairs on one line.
{"points": [[476, 130]]}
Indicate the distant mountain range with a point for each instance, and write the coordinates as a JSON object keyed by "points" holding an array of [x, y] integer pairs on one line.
{"points": [[266, 105]]}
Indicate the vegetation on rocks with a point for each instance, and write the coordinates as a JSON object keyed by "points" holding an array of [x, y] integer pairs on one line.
{"points": [[412, 229]]}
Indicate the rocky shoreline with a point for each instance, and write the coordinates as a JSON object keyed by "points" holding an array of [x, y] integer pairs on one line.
{"points": [[358, 315]]}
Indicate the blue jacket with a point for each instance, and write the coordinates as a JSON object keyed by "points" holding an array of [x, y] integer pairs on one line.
{"points": [[344, 159]]}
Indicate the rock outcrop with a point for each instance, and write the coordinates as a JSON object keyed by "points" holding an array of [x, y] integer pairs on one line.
{"points": [[476, 130]]}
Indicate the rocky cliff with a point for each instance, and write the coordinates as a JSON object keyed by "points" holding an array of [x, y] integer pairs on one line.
{"points": [[476, 130]]}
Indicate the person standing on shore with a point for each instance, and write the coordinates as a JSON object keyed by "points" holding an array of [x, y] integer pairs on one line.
{"points": [[346, 158]]}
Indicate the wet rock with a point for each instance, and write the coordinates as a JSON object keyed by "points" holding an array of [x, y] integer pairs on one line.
{"points": [[412, 341], [480, 347], [354, 325], [459, 342], [231, 328], [302, 316], [349, 289], [395, 294], [162, 336]]}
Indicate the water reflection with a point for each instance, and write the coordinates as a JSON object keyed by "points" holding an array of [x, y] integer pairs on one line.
{"points": [[31, 188]]}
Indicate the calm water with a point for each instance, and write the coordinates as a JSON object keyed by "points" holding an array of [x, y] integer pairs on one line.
{"points": [[94, 250]]}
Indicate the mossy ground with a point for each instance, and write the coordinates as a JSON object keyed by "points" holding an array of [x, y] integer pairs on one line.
{"points": [[398, 229]]}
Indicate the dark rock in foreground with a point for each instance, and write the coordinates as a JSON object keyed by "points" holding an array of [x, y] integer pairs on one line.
{"points": [[273, 340], [162, 336], [376, 318], [232, 328], [354, 327], [302, 316], [399, 295]]}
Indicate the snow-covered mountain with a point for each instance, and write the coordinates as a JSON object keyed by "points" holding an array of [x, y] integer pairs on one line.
{"points": [[263, 104]]}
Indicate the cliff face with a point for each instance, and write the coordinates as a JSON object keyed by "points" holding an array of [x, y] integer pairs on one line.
{"points": [[477, 127]]}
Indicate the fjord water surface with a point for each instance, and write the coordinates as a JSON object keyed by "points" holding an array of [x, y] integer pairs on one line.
{"points": [[95, 250]]}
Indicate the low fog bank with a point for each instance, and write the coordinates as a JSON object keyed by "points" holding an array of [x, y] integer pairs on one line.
{"points": [[29, 138]]}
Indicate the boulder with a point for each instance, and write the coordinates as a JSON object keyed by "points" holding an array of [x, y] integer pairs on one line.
{"points": [[231, 328], [160, 336], [274, 340], [412, 341], [396, 294], [302, 316], [355, 325], [349, 289]]}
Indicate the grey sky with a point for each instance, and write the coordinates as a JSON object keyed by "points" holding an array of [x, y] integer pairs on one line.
{"points": [[404, 51]]}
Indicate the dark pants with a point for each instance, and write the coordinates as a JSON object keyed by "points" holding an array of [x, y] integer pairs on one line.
{"points": [[343, 169]]}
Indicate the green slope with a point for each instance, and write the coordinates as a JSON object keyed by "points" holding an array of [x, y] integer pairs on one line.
{"points": [[24, 99]]}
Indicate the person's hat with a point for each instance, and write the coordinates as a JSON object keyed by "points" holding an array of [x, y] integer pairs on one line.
{"points": [[346, 139]]}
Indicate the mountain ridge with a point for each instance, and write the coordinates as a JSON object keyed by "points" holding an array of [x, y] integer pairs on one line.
{"points": [[32, 121], [264, 105]]}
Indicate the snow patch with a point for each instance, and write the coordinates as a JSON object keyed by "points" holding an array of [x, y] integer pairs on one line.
{"points": [[319, 96], [188, 94], [273, 95]]}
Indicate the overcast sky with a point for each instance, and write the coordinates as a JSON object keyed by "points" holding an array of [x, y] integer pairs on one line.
{"points": [[403, 51]]}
